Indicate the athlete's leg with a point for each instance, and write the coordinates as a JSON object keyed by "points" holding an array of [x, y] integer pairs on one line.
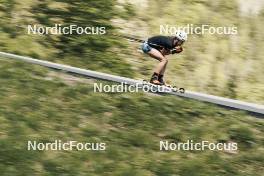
{"points": [[164, 69], [154, 53], [160, 68], [161, 75]]}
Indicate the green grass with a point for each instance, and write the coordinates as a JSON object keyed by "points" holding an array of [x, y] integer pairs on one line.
{"points": [[33, 107], [97, 52], [223, 65], [44, 105], [229, 66]]}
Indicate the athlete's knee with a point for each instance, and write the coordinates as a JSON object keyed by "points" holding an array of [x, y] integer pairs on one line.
{"points": [[164, 59]]}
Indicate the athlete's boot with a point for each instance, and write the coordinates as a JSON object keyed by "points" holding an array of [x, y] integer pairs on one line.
{"points": [[155, 79], [161, 80]]}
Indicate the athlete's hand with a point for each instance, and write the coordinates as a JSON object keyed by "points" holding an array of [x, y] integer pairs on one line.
{"points": [[177, 50]]}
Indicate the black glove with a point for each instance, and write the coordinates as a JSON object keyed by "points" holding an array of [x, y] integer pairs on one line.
{"points": [[177, 49]]}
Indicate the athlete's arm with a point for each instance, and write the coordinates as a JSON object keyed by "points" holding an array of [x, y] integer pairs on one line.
{"points": [[165, 51]]}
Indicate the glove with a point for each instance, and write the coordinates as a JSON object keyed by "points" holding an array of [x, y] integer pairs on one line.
{"points": [[177, 50]]}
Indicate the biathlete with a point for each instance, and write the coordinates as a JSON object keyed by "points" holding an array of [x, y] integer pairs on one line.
{"points": [[158, 47]]}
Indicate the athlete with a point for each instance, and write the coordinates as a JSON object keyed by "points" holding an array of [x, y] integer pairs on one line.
{"points": [[158, 47]]}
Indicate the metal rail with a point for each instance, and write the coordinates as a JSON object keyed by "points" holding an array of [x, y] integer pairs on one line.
{"points": [[188, 94]]}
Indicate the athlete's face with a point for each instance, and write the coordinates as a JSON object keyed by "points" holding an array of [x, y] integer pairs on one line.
{"points": [[178, 42]]}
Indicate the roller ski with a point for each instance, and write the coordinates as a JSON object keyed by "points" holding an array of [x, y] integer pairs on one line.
{"points": [[158, 84]]}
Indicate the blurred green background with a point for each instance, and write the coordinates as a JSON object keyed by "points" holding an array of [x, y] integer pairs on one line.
{"points": [[41, 104]]}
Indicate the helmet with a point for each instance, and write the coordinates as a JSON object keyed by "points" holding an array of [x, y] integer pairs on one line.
{"points": [[181, 35]]}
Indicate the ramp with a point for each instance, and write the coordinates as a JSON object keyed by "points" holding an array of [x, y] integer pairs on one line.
{"points": [[188, 94]]}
